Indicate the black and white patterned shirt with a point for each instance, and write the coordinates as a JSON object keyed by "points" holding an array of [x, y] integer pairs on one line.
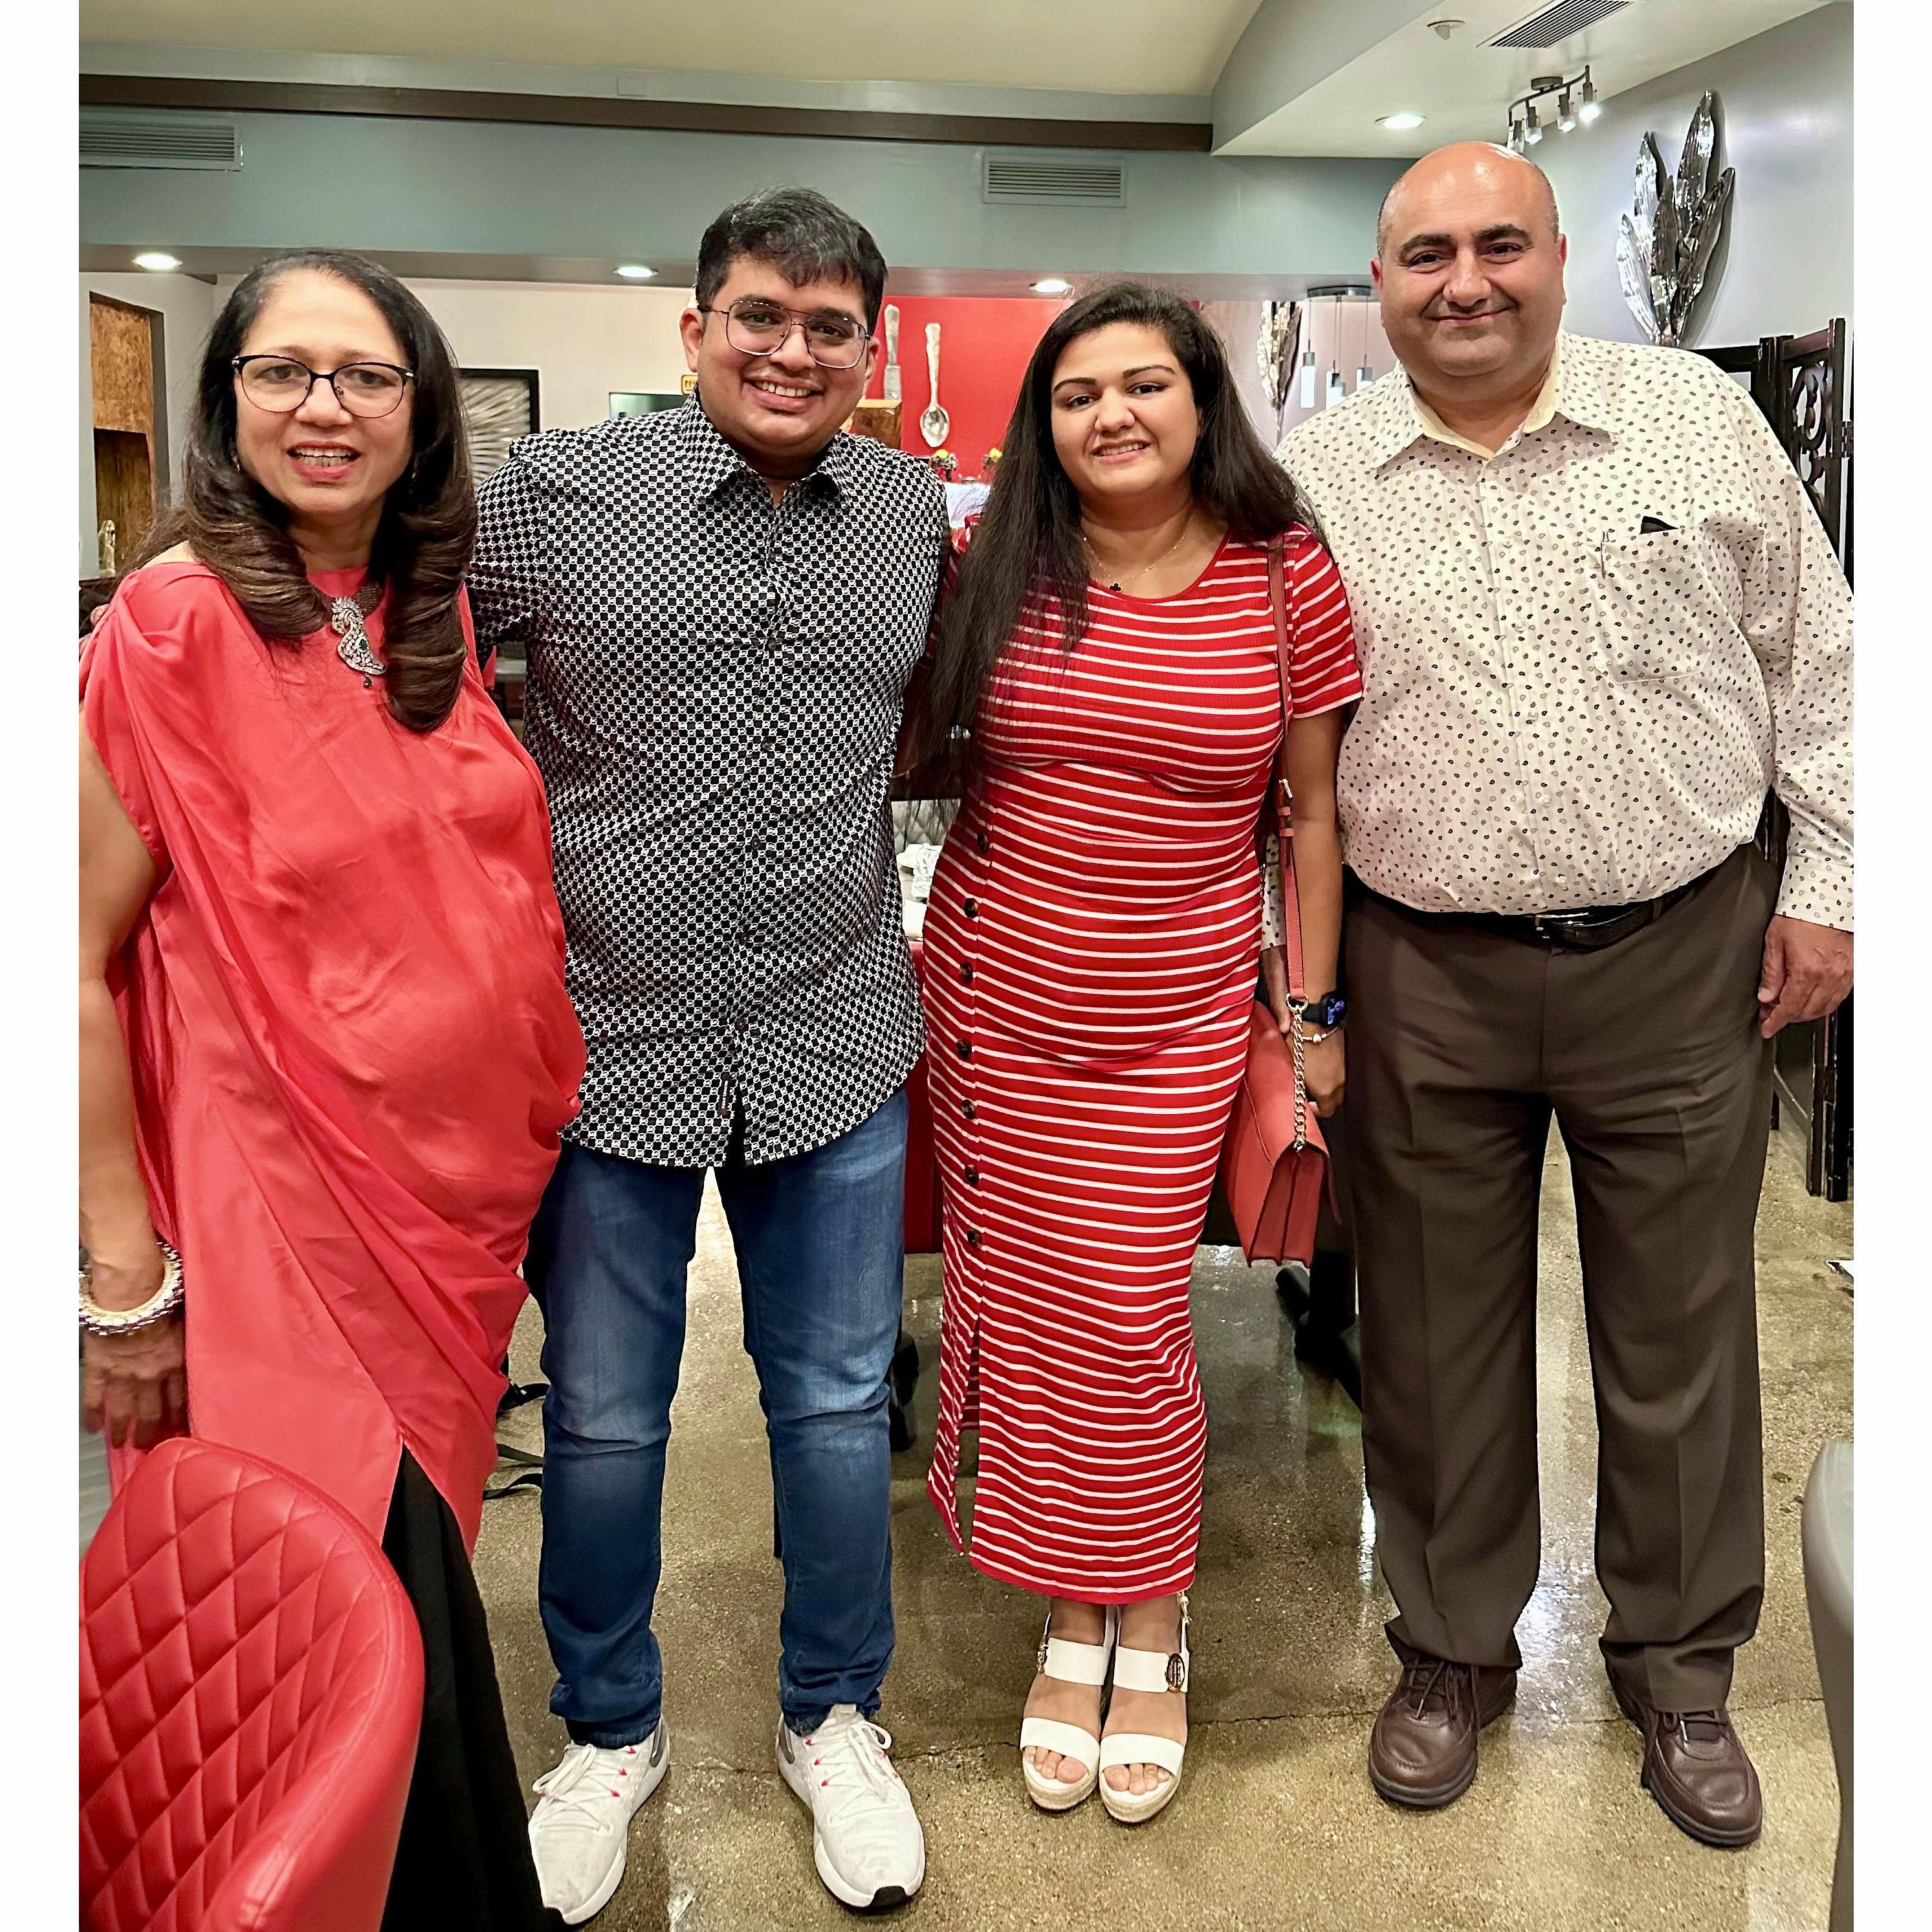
{"points": [[715, 689], [1585, 657]]}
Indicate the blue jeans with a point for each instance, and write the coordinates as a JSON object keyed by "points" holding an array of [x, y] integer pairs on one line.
{"points": [[820, 1243]]}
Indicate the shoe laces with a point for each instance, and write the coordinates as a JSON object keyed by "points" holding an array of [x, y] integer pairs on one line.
{"points": [[847, 1763], [578, 1791], [1431, 1677], [1711, 1726]]}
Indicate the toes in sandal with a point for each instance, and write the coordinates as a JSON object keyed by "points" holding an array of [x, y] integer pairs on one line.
{"points": [[1153, 1671], [1072, 1663]]}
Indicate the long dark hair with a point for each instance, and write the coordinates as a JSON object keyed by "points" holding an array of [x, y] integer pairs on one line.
{"points": [[1028, 539], [428, 528]]}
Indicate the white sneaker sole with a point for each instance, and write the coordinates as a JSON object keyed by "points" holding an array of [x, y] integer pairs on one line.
{"points": [[653, 1777], [886, 1896]]}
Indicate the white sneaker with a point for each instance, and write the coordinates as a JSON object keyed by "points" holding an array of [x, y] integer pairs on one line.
{"points": [[578, 1831], [865, 1838]]}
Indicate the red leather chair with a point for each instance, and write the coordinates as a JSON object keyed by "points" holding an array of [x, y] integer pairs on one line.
{"points": [[251, 1689]]}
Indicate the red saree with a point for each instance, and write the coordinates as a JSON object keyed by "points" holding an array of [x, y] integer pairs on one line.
{"points": [[352, 1045]]}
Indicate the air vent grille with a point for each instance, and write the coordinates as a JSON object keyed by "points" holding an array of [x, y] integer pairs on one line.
{"points": [[117, 141], [1067, 183], [1549, 25]]}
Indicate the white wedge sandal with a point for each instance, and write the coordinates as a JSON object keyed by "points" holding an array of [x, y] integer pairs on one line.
{"points": [[1154, 1671], [1071, 1663]]}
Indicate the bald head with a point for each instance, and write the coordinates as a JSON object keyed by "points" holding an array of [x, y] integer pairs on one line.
{"points": [[1464, 169]]}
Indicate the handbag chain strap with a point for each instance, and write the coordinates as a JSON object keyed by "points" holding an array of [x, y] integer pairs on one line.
{"points": [[1279, 591]]}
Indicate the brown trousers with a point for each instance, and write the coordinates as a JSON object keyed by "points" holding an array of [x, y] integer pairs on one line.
{"points": [[1462, 1044]]}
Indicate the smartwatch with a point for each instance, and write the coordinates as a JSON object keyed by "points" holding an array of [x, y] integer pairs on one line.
{"points": [[1326, 1013]]}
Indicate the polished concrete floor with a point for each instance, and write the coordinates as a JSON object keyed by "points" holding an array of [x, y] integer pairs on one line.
{"points": [[1276, 1826]]}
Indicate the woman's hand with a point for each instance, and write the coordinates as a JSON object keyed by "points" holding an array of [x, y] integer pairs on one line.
{"points": [[1324, 1063], [134, 1387]]}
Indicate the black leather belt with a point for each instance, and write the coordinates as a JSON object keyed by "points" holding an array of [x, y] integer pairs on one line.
{"points": [[1586, 932]]}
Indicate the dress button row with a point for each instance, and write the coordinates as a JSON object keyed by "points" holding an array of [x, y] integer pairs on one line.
{"points": [[973, 1240], [971, 908], [966, 972], [985, 844], [965, 1049], [972, 1175], [971, 1112]]}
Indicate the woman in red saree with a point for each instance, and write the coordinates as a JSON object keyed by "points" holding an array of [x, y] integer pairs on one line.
{"points": [[325, 1042]]}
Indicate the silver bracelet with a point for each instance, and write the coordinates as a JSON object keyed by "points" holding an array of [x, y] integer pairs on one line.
{"points": [[158, 1306]]}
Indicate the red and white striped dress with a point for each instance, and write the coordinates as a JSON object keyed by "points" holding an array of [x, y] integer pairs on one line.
{"points": [[1091, 952]]}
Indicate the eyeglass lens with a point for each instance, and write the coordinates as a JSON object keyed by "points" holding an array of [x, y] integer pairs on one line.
{"points": [[363, 388], [757, 328]]}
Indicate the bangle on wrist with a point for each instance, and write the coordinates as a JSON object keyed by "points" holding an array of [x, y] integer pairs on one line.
{"points": [[163, 1303]]}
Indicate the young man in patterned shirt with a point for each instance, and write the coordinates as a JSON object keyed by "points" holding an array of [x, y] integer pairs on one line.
{"points": [[722, 606], [1598, 619]]}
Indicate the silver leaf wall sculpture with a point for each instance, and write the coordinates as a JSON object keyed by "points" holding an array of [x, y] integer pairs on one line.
{"points": [[1274, 351], [1665, 243]]}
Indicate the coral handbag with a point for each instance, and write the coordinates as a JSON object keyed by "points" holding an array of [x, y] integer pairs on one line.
{"points": [[1274, 1162]]}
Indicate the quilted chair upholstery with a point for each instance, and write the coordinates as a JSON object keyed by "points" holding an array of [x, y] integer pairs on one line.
{"points": [[251, 1689]]}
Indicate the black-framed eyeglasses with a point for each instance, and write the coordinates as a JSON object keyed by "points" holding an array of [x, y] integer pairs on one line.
{"points": [[281, 384], [755, 327]]}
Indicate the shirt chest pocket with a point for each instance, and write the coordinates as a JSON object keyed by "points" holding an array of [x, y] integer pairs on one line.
{"points": [[1669, 598]]}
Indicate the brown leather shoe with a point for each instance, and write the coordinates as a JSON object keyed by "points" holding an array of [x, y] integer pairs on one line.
{"points": [[1695, 1766], [1422, 1752]]}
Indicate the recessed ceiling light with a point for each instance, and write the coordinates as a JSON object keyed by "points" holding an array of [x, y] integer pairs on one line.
{"points": [[635, 271], [1400, 124], [1052, 285], [155, 258]]}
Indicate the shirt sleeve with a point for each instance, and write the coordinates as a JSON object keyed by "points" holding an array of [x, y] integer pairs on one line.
{"points": [[1798, 621], [1323, 673], [515, 519]]}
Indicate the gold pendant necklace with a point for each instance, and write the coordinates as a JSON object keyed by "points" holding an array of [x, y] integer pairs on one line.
{"points": [[1186, 527]]}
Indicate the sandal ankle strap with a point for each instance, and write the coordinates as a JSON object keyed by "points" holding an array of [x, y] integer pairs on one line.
{"points": [[1073, 1663], [1155, 1670]]}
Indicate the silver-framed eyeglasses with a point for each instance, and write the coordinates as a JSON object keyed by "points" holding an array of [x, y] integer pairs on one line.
{"points": [[281, 384], [755, 327]]}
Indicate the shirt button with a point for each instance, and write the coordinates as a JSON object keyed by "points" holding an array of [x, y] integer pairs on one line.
{"points": [[971, 908], [971, 1112], [966, 972], [965, 1049], [973, 1240]]}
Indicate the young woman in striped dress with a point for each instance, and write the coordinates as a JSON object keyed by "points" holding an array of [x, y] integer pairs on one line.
{"points": [[1090, 959]]}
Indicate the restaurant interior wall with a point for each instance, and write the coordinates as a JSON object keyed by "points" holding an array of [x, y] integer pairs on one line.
{"points": [[1785, 266], [622, 195], [186, 306]]}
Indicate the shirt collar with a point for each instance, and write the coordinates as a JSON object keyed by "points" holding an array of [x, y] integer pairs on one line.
{"points": [[710, 462], [1573, 389]]}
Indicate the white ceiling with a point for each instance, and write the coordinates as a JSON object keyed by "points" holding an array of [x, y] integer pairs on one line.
{"points": [[1463, 87], [1110, 47], [1078, 59]]}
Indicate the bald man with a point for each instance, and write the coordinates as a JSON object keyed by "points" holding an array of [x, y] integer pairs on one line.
{"points": [[1598, 620]]}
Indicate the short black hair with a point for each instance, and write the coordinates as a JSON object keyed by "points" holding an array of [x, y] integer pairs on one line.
{"points": [[805, 237]]}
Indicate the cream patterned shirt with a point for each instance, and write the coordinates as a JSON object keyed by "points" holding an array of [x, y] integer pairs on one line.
{"points": [[1585, 657]]}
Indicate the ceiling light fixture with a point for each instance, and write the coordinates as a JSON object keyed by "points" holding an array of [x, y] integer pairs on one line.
{"points": [[1568, 101], [1052, 285], [635, 271], [157, 260], [1400, 123]]}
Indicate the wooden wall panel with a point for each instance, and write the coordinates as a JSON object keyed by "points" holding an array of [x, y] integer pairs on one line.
{"points": [[123, 354]]}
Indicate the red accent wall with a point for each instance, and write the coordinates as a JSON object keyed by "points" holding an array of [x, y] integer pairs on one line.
{"points": [[985, 342]]}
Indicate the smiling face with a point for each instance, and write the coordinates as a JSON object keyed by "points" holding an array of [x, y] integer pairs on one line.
{"points": [[1469, 266], [331, 470], [777, 410], [1124, 420]]}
